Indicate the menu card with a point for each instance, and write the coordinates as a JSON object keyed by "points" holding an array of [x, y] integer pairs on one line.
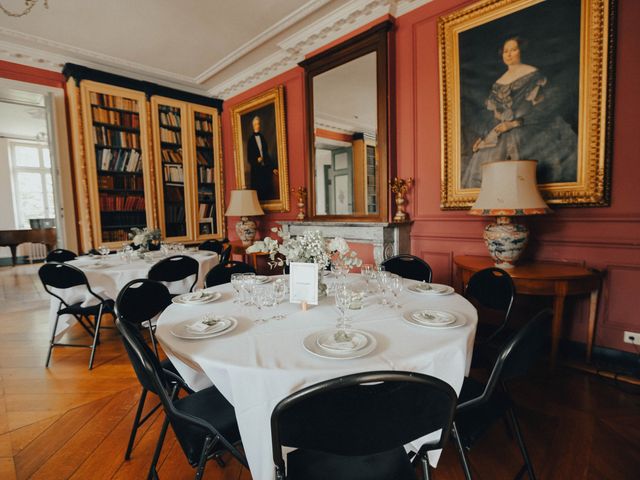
{"points": [[303, 283]]}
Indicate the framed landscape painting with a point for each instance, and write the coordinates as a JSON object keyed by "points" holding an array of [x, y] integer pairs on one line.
{"points": [[260, 148], [528, 80]]}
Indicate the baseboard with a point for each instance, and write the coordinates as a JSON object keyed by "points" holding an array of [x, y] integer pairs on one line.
{"points": [[621, 363]]}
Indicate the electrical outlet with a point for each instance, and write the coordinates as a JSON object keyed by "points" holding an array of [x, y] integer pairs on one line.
{"points": [[632, 337]]}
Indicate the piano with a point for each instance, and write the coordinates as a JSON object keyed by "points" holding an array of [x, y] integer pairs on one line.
{"points": [[13, 238]]}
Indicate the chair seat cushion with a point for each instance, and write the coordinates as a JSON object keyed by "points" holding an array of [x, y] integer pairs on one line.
{"points": [[78, 309], [473, 423], [211, 406], [313, 465]]}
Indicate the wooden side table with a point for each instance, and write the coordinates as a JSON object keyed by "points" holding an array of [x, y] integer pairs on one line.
{"points": [[545, 279], [237, 248]]}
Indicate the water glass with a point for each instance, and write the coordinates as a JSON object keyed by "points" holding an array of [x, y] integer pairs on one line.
{"points": [[396, 285], [248, 282], [382, 279], [263, 298], [104, 251], [236, 283], [343, 300], [165, 249], [279, 293], [366, 270]]}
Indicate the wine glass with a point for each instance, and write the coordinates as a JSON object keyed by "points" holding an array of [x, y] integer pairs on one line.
{"points": [[236, 283], [396, 284], [104, 251], [382, 278], [263, 298], [343, 299], [248, 282], [366, 270], [279, 292]]}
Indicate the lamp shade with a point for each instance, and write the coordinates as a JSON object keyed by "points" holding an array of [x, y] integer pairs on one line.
{"points": [[509, 188], [244, 203]]}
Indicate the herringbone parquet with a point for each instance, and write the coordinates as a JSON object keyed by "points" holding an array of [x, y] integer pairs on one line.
{"points": [[66, 422]]}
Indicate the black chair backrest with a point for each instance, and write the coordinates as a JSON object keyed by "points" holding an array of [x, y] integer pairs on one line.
{"points": [[225, 256], [491, 289], [60, 255], [140, 301], [149, 367], [518, 354], [63, 276], [174, 269], [363, 414], [409, 266], [212, 246], [221, 273]]}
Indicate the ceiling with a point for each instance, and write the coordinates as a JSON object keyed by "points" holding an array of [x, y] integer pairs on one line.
{"points": [[213, 47]]}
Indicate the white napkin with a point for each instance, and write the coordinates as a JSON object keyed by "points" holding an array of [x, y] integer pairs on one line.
{"points": [[356, 341], [433, 317]]}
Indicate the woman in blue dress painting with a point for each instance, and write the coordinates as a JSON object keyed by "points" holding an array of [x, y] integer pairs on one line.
{"points": [[525, 125]]}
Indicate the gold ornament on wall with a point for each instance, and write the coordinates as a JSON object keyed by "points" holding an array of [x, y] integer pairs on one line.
{"points": [[301, 194], [400, 187]]}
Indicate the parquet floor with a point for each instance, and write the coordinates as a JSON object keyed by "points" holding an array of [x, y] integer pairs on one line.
{"points": [[66, 422]]}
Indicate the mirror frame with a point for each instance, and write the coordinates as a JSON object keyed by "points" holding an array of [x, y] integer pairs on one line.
{"points": [[377, 40]]}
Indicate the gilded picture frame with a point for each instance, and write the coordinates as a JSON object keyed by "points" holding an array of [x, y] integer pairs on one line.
{"points": [[565, 116], [260, 148]]}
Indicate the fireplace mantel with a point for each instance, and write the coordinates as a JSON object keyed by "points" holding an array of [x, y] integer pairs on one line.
{"points": [[388, 239]]}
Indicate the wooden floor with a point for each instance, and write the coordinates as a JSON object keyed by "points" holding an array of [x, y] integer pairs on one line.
{"points": [[66, 422]]}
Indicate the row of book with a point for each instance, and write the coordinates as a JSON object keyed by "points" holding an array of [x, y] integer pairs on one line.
{"points": [[104, 100], [115, 118], [170, 118], [204, 157], [173, 173], [120, 182], [205, 174], [118, 160], [114, 138], [203, 142], [171, 156], [111, 203], [174, 195], [206, 210], [174, 214], [203, 125], [170, 136]]}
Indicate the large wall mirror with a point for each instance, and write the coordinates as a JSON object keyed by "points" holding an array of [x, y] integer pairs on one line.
{"points": [[347, 93]]}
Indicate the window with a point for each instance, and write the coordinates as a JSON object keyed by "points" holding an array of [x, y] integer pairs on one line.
{"points": [[32, 182]]}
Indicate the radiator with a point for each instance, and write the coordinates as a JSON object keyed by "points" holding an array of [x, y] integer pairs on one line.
{"points": [[34, 251]]}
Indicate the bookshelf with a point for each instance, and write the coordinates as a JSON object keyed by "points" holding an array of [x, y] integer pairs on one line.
{"points": [[119, 188]]}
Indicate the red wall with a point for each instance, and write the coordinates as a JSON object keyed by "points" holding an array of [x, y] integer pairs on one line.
{"points": [[604, 238], [23, 73]]}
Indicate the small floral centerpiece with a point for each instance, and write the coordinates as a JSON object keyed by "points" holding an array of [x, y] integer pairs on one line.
{"points": [[144, 237], [311, 247]]}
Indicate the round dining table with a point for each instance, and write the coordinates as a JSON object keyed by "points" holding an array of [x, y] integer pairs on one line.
{"points": [[107, 277], [259, 363]]}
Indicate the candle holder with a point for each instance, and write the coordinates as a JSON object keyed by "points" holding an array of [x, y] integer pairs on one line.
{"points": [[301, 194], [400, 187]]}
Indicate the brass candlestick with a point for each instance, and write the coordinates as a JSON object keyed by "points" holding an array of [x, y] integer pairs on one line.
{"points": [[301, 194], [400, 186]]}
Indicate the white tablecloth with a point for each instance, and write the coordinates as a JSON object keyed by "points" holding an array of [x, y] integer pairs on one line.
{"points": [[108, 281], [257, 365]]}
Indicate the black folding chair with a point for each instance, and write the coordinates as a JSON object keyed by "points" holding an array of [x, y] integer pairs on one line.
{"points": [[175, 269], [355, 427], [212, 246], [482, 405], [203, 422], [139, 302], [221, 273], [63, 276], [225, 256], [408, 266], [60, 255]]}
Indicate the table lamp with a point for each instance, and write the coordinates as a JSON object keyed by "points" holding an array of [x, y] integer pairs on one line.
{"points": [[244, 203], [509, 189]]}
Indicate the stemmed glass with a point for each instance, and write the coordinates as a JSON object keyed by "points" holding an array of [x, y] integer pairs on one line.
{"points": [[263, 297], [104, 251], [279, 292], [248, 284], [343, 299], [396, 284], [236, 283], [383, 278], [366, 270]]}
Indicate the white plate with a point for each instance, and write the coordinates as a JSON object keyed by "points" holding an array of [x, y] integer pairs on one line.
{"points": [[207, 297], [436, 289], [358, 342], [181, 330], [408, 317], [433, 318], [310, 344]]}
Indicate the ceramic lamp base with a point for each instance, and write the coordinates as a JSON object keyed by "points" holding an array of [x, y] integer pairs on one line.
{"points": [[246, 230], [506, 241]]}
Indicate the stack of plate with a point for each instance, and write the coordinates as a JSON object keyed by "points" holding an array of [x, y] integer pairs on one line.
{"points": [[336, 345], [434, 319], [206, 327], [196, 298], [431, 288]]}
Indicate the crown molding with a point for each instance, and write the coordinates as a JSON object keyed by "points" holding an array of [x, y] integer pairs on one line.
{"points": [[340, 22]]}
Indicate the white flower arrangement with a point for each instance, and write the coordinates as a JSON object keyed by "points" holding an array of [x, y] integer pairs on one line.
{"points": [[143, 236], [311, 247]]}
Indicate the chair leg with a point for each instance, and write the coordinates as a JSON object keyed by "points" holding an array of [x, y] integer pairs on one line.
{"points": [[520, 438], [426, 474], [96, 333], [52, 341], [203, 457], [153, 338], [136, 424], [463, 457], [153, 474]]}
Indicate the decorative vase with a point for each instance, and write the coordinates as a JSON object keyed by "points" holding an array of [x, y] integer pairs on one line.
{"points": [[246, 230], [506, 241]]}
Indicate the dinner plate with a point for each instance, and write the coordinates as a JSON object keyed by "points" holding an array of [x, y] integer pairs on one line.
{"points": [[459, 322], [207, 297], [181, 330], [435, 289], [433, 318], [311, 345]]}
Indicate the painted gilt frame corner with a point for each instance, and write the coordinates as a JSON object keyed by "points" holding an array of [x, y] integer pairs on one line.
{"points": [[589, 184], [239, 115]]}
